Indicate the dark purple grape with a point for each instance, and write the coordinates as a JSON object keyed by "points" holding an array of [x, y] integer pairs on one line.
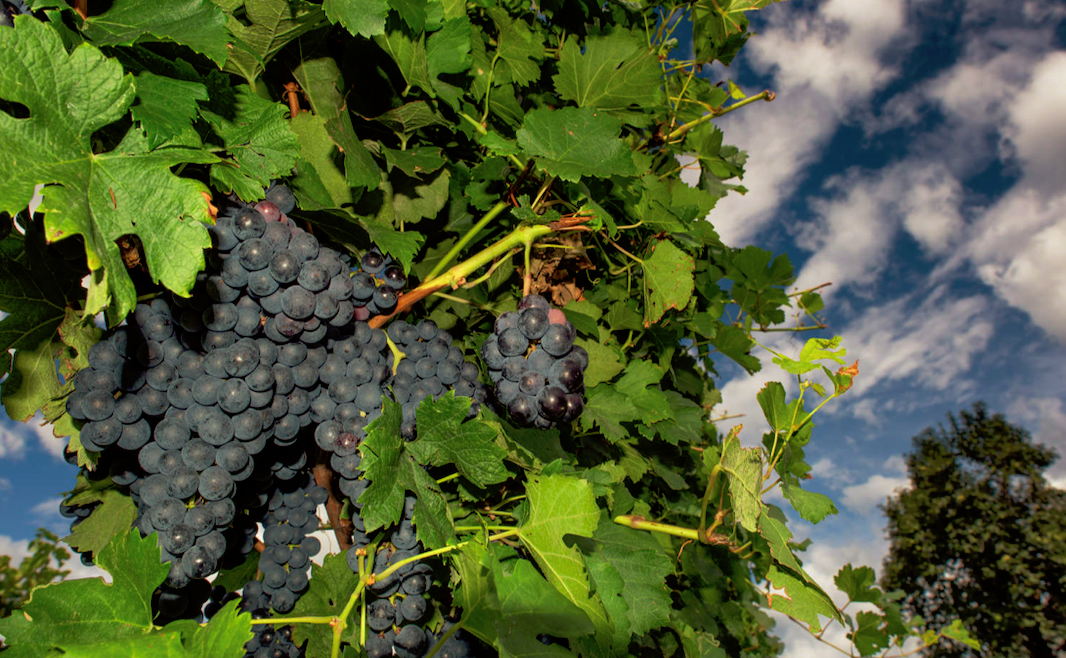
{"points": [[255, 254], [558, 339], [394, 277], [511, 342], [552, 402], [372, 262], [523, 409]]}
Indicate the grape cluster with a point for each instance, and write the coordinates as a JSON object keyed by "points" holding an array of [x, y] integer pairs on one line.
{"points": [[268, 641], [538, 371], [286, 558], [428, 365], [375, 284]]}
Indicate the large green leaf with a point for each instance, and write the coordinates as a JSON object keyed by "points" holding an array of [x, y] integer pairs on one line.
{"points": [[268, 26], [75, 613], [365, 18], [444, 438], [611, 72], [392, 472], [101, 196], [574, 142], [260, 141], [559, 506], [668, 280], [197, 24], [332, 583]]}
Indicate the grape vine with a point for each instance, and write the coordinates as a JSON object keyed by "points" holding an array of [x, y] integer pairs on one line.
{"points": [[411, 333]]}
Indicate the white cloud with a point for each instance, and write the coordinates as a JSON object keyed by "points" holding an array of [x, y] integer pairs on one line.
{"points": [[864, 498], [824, 64], [15, 548], [5, 484], [1045, 418], [927, 338], [12, 442]]}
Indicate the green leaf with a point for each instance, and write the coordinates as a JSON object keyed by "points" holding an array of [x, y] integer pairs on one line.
{"points": [[642, 567], [260, 141], [414, 161], [446, 437], [573, 142], [413, 12], [737, 345], [268, 26], [801, 600], [410, 56], [476, 591], [743, 466], [610, 72], [392, 472], [859, 584], [224, 635], [668, 280], [607, 408], [604, 362], [868, 636], [102, 196], [332, 584], [401, 245], [519, 48], [956, 631], [529, 605], [812, 506], [166, 107], [76, 613], [639, 383], [111, 519], [321, 80], [34, 294], [448, 49], [364, 18], [318, 183], [164, 645], [584, 315], [234, 578], [197, 24], [561, 505]]}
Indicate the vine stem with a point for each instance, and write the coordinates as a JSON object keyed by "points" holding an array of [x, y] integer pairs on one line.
{"points": [[342, 528], [640, 523], [678, 132], [457, 274], [82, 7], [470, 235]]}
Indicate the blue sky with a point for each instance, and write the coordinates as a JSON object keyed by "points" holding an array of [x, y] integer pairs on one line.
{"points": [[915, 156]]}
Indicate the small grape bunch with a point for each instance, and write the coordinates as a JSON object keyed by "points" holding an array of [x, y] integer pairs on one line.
{"points": [[376, 285], [538, 372]]}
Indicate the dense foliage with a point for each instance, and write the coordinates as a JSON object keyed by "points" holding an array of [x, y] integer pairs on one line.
{"points": [[228, 182], [979, 537], [42, 565]]}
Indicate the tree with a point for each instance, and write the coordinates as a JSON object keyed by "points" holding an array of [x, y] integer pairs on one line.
{"points": [[43, 564], [980, 536]]}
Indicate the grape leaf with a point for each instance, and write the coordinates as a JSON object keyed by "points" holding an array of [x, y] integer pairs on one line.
{"points": [[734, 343], [332, 584], [34, 292], [259, 139], [573, 142], [81, 612], [639, 383], [607, 408], [668, 280], [476, 592], [111, 519], [519, 49], [321, 79], [639, 561], [529, 606], [859, 584], [413, 12], [401, 245], [444, 438], [743, 466], [392, 471], [448, 49], [415, 160], [318, 183], [801, 600], [868, 636], [197, 24], [365, 18], [610, 72], [166, 107], [604, 362], [268, 26], [409, 55], [149, 645], [103, 196], [561, 505], [811, 505]]}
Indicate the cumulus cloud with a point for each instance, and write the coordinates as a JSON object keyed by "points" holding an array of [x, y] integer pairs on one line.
{"points": [[1045, 418], [12, 441], [824, 64], [866, 497]]}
